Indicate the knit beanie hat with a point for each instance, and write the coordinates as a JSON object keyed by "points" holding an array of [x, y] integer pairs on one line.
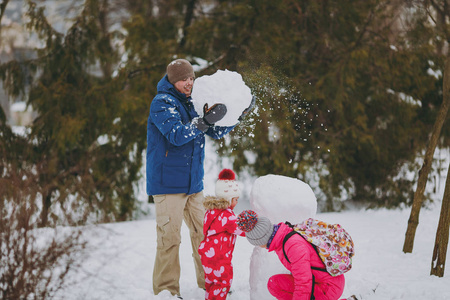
{"points": [[227, 187], [258, 230], [179, 69]]}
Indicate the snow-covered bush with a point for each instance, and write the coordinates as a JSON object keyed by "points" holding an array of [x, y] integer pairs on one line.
{"points": [[34, 262]]}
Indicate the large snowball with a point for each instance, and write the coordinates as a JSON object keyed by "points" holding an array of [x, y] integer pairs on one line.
{"points": [[282, 198], [225, 87]]}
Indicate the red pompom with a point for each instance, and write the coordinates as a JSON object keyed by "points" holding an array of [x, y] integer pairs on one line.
{"points": [[227, 174]]}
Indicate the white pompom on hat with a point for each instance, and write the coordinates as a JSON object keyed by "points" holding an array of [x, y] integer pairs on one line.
{"points": [[227, 186]]}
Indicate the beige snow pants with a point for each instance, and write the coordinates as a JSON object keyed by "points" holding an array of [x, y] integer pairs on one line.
{"points": [[171, 209]]}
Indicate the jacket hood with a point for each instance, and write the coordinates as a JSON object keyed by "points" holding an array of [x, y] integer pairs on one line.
{"points": [[212, 202]]}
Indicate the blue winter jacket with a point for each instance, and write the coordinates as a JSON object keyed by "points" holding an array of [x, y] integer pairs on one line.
{"points": [[175, 147]]}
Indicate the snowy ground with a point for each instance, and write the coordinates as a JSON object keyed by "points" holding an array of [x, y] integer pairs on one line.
{"points": [[120, 266], [121, 258], [121, 261]]}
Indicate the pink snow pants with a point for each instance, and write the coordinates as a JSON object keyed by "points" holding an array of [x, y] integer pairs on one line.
{"points": [[281, 286], [218, 279]]}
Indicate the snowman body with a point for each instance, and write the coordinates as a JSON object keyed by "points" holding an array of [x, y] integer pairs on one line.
{"points": [[280, 199]]}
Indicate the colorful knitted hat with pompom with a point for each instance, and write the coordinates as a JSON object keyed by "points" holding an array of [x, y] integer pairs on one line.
{"points": [[227, 186], [258, 230], [247, 220]]}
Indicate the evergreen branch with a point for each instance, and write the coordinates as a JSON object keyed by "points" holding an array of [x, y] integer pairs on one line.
{"points": [[214, 62], [39, 22], [429, 14], [363, 32], [442, 13], [147, 70], [137, 72], [437, 7]]}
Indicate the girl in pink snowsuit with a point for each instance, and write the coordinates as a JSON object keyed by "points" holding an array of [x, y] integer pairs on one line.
{"points": [[304, 283], [220, 231]]}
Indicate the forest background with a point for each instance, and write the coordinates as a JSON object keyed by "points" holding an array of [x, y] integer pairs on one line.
{"points": [[348, 98], [348, 95]]}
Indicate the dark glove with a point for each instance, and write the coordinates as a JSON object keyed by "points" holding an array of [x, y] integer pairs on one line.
{"points": [[248, 109], [211, 115]]}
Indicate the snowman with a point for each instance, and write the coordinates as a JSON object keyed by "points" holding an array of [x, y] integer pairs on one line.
{"points": [[280, 199], [226, 87]]}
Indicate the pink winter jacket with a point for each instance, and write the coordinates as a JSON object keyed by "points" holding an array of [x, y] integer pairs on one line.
{"points": [[303, 256]]}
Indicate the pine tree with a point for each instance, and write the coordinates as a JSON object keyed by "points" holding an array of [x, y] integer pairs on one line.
{"points": [[341, 84], [343, 91], [85, 147]]}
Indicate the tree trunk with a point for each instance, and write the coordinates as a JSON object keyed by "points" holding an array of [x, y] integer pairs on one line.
{"points": [[426, 167], [187, 22], [2, 12], [2, 9], [46, 203], [441, 242], [106, 64]]}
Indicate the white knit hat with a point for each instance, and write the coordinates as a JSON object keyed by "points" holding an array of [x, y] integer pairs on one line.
{"points": [[227, 187]]}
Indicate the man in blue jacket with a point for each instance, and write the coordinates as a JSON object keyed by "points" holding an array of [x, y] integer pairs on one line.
{"points": [[175, 156]]}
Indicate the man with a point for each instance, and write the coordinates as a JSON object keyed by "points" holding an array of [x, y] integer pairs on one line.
{"points": [[175, 156]]}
